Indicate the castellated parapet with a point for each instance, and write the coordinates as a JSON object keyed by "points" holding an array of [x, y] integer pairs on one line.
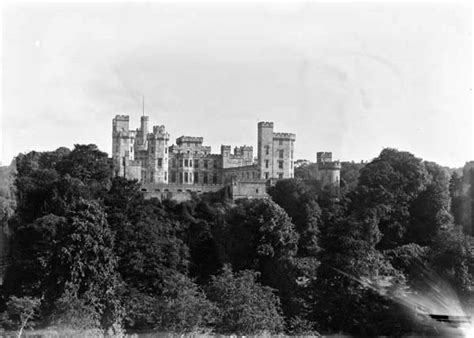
{"points": [[189, 140], [188, 166], [328, 171]]}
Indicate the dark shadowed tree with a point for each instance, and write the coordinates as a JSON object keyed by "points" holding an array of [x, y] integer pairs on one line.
{"points": [[246, 307]]}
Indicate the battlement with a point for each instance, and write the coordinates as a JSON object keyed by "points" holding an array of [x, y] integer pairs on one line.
{"points": [[323, 156], [189, 139], [158, 129], [122, 118], [213, 156], [284, 136], [265, 125], [244, 148]]}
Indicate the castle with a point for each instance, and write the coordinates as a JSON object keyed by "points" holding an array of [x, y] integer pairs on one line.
{"points": [[178, 170]]}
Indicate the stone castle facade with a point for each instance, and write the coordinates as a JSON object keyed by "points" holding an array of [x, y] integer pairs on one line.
{"points": [[177, 170]]}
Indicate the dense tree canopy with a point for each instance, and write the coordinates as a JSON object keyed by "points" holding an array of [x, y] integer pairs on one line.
{"points": [[88, 251]]}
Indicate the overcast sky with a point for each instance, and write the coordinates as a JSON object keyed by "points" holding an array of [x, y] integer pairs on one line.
{"points": [[346, 78]]}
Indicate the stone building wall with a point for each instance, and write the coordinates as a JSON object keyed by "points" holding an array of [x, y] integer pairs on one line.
{"points": [[188, 166]]}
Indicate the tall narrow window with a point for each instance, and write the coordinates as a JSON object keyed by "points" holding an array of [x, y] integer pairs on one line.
{"points": [[281, 153], [266, 163], [196, 163], [266, 175], [166, 175], [185, 177], [160, 162], [214, 179], [196, 177], [206, 163], [267, 150], [186, 163], [280, 164], [205, 179]]}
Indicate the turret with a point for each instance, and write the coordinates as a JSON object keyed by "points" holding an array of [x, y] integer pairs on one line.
{"points": [[158, 155], [328, 170], [265, 149], [144, 130], [122, 144]]}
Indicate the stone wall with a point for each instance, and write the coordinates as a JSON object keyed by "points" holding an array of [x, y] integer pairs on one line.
{"points": [[249, 189]]}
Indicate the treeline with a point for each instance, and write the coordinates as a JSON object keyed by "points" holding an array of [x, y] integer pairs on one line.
{"points": [[87, 251]]}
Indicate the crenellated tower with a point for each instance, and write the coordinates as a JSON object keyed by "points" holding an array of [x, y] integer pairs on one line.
{"points": [[157, 156], [122, 144], [265, 149], [329, 171]]}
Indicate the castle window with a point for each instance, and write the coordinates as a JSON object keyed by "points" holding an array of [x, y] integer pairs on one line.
{"points": [[166, 150], [266, 175], [281, 153], [196, 163], [266, 163], [173, 177], [280, 175], [256, 190], [280, 164], [166, 175], [214, 179], [190, 163], [185, 163], [196, 177], [291, 164], [206, 163], [180, 177], [267, 150], [215, 164], [292, 154], [160, 162], [205, 178], [280, 142], [185, 177]]}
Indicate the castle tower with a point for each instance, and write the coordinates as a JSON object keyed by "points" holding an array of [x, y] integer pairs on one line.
{"points": [[122, 144], [225, 154], [265, 149], [329, 171], [157, 158], [143, 132]]}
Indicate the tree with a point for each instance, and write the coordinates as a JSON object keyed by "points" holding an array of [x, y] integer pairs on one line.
{"points": [[20, 313], [72, 254], [350, 172], [245, 306], [181, 307], [387, 187], [346, 293], [300, 203], [429, 211], [452, 256]]}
